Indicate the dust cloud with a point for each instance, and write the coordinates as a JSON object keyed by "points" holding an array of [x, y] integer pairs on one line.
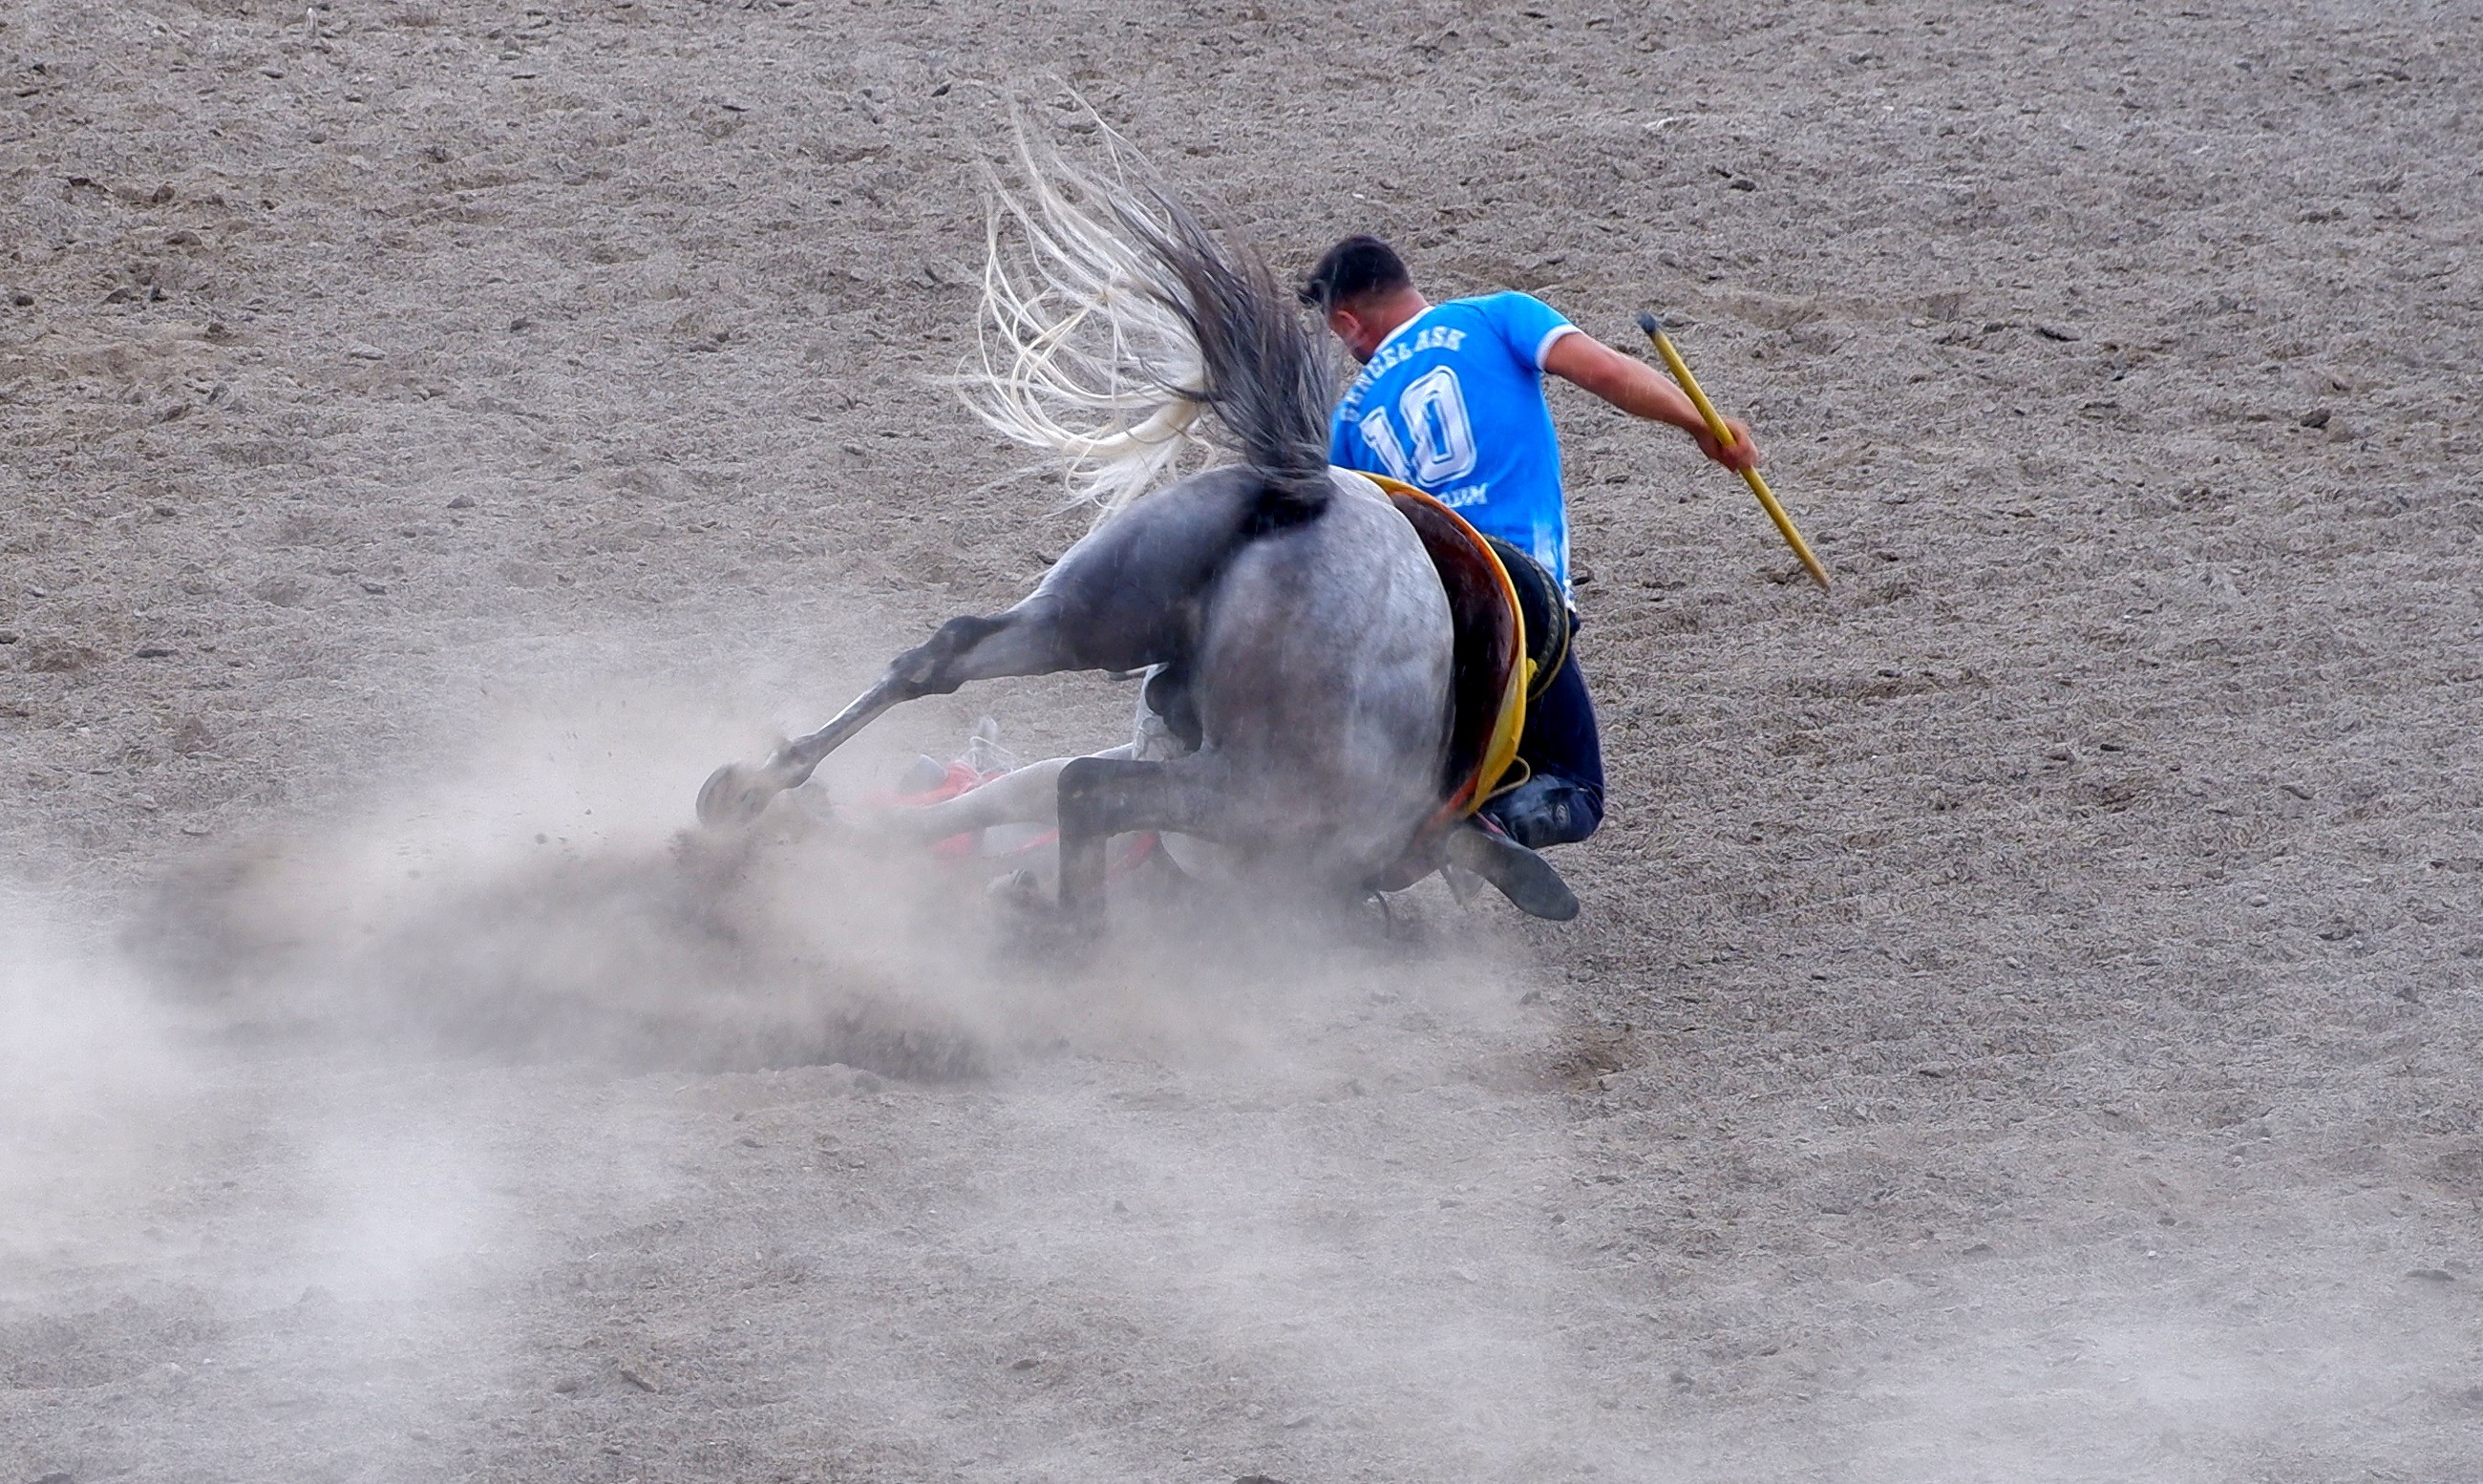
{"points": [[496, 1124], [354, 1120], [93, 1080]]}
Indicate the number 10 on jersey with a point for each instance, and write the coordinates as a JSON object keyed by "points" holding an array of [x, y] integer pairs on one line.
{"points": [[1442, 436]]}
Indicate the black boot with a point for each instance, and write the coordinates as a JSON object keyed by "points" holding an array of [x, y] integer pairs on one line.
{"points": [[1522, 876]]}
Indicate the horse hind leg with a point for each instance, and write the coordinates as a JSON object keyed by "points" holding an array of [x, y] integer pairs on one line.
{"points": [[1024, 641]]}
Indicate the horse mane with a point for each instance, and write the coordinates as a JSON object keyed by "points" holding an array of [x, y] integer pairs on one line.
{"points": [[1124, 334]]}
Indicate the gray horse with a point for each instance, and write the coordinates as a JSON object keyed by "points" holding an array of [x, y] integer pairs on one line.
{"points": [[1297, 637]]}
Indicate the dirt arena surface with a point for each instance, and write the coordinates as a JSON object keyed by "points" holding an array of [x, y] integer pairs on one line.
{"points": [[2024, 1022]]}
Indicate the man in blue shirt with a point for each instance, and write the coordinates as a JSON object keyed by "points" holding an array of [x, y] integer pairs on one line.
{"points": [[1451, 401]]}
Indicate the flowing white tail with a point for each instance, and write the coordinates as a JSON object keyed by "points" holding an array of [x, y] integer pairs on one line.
{"points": [[1088, 343]]}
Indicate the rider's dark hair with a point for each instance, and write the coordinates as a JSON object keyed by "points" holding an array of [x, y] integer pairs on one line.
{"points": [[1360, 265]]}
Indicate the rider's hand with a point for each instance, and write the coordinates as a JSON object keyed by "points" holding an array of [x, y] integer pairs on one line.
{"points": [[1744, 454]]}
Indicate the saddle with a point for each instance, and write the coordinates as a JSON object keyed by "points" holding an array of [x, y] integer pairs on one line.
{"points": [[1512, 633]]}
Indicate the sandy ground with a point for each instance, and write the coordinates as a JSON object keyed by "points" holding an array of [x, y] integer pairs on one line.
{"points": [[2024, 1023]]}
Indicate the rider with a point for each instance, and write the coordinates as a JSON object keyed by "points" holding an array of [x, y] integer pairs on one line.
{"points": [[1450, 399]]}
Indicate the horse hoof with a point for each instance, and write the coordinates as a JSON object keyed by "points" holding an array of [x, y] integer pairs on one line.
{"points": [[733, 795]]}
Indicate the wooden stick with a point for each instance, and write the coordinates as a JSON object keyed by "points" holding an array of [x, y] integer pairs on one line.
{"points": [[1654, 329]]}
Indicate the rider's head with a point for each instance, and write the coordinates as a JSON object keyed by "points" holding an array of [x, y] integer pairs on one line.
{"points": [[1362, 289]]}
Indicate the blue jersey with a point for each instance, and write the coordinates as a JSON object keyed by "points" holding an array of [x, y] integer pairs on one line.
{"points": [[1452, 403]]}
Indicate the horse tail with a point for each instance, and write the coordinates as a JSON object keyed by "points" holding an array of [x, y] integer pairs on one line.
{"points": [[1125, 333]]}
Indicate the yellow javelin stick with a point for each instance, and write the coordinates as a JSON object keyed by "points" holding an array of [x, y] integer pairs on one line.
{"points": [[1654, 329]]}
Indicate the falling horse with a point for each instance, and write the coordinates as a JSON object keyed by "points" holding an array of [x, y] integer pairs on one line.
{"points": [[1303, 719]]}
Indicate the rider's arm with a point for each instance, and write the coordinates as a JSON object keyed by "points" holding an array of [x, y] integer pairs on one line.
{"points": [[1640, 390]]}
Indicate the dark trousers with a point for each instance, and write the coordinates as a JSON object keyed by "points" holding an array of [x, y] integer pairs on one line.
{"points": [[1561, 802]]}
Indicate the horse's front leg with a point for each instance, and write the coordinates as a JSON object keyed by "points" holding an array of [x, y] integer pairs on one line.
{"points": [[1102, 797], [1024, 641]]}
